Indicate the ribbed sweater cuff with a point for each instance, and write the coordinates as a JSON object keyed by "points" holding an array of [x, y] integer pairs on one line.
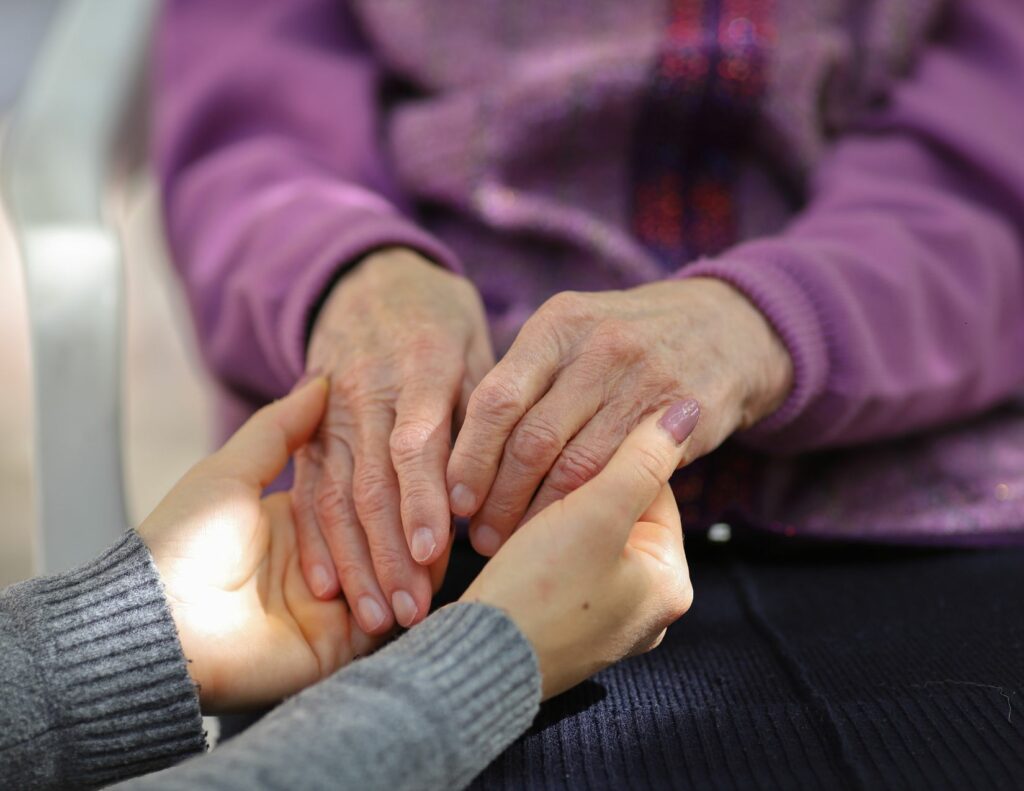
{"points": [[476, 673], [119, 689]]}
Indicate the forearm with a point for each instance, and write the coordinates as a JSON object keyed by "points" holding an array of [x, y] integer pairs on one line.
{"points": [[95, 685], [430, 711], [899, 291]]}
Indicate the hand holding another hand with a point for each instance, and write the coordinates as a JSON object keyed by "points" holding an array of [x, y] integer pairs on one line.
{"points": [[600, 575], [250, 627], [591, 579], [585, 369]]}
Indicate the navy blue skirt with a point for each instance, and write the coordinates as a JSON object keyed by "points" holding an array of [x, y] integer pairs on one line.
{"points": [[802, 666]]}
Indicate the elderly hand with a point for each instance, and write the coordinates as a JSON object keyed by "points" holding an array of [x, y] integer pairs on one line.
{"points": [[404, 342], [601, 574], [584, 370], [248, 623]]}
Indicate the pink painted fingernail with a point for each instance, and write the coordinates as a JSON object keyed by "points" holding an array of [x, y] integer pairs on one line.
{"points": [[320, 581], [486, 540], [423, 544], [680, 419], [404, 606], [463, 501], [370, 612]]}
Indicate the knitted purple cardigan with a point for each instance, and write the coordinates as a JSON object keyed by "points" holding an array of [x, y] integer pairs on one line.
{"points": [[855, 167]]}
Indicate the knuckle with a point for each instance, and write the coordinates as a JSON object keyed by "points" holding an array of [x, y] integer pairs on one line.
{"points": [[672, 595], [650, 468], [352, 574], [363, 384], [533, 443], [469, 463], [575, 467], [564, 303], [654, 388], [332, 501], [657, 640], [680, 600], [340, 425], [419, 498], [495, 399], [427, 343], [372, 491], [389, 563], [408, 440], [359, 370], [501, 510], [369, 401], [616, 341]]}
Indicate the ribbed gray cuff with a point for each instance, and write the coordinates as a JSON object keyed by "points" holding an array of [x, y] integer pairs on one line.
{"points": [[475, 672], [118, 686]]}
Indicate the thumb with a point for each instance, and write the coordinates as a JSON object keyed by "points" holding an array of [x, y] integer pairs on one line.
{"points": [[260, 449], [625, 489]]}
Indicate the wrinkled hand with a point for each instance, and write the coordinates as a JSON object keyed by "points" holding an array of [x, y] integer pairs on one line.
{"points": [[404, 342], [600, 575], [584, 370], [249, 626]]}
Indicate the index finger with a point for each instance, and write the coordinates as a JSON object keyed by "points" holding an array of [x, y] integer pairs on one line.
{"points": [[497, 404], [631, 480]]}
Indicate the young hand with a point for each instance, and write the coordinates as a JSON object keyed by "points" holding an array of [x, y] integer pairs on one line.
{"points": [[600, 575], [249, 626], [584, 370], [404, 342]]}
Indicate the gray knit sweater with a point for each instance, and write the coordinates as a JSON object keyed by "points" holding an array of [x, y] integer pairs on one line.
{"points": [[95, 689]]}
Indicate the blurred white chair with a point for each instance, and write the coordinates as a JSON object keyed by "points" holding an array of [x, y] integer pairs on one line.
{"points": [[64, 141]]}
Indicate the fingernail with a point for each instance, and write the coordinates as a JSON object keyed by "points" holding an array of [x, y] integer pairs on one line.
{"points": [[680, 419], [320, 581], [485, 540], [423, 544], [308, 376], [463, 501], [370, 612], [404, 606]]}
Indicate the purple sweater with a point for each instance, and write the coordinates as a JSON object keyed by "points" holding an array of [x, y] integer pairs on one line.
{"points": [[856, 168]]}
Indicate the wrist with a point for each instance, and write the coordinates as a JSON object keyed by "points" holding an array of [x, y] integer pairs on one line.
{"points": [[198, 669], [379, 267], [376, 271], [755, 361], [177, 606], [356, 270], [767, 367], [380, 270]]}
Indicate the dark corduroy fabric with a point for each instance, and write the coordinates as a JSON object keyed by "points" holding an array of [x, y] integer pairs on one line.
{"points": [[805, 667]]}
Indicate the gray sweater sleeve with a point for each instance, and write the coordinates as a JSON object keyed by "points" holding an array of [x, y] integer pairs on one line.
{"points": [[93, 686], [95, 689], [430, 711]]}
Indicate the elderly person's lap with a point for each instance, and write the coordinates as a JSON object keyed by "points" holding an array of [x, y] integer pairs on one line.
{"points": [[805, 667]]}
